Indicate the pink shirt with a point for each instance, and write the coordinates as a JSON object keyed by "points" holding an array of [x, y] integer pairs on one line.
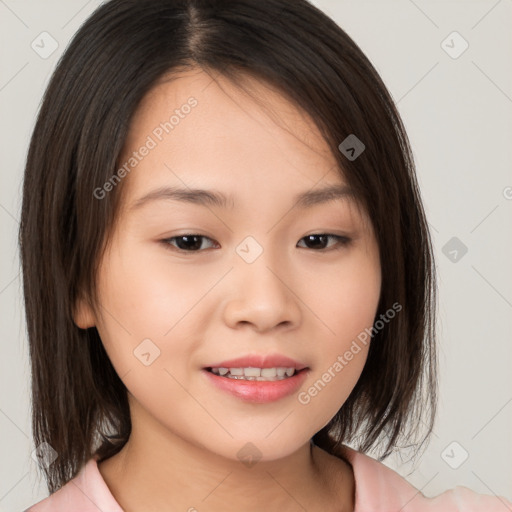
{"points": [[378, 489]]}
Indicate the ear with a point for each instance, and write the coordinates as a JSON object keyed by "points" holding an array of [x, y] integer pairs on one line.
{"points": [[83, 315]]}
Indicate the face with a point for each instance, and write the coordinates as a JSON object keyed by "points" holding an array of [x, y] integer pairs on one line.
{"points": [[189, 284]]}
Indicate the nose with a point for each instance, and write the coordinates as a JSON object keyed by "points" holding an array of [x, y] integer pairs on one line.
{"points": [[263, 296]]}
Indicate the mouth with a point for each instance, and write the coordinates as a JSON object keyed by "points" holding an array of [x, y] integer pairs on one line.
{"points": [[268, 384], [256, 374]]}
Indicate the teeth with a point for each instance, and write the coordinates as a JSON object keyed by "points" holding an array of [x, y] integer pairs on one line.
{"points": [[249, 372], [259, 374], [269, 372]]}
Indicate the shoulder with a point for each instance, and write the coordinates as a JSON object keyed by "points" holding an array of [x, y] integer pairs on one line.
{"points": [[87, 492], [380, 489]]}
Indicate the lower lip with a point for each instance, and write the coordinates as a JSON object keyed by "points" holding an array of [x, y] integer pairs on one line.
{"points": [[257, 391]]}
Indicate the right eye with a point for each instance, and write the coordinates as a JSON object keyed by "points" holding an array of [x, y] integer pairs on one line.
{"points": [[185, 243]]}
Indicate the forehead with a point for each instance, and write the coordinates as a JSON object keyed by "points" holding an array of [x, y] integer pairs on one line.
{"points": [[209, 133], [222, 107]]}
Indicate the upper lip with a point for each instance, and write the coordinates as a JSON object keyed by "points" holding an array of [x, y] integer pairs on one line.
{"points": [[260, 361]]}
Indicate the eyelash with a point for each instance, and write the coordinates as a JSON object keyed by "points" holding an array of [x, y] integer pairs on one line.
{"points": [[343, 241]]}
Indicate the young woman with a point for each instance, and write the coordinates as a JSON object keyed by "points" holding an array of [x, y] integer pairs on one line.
{"points": [[227, 269]]}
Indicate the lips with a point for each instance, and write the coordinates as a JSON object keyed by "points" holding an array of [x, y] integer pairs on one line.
{"points": [[260, 361], [257, 392]]}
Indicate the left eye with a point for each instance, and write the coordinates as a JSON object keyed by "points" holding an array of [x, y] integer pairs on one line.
{"points": [[193, 243], [319, 239]]}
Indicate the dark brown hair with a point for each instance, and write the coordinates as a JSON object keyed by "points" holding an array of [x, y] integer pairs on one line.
{"points": [[79, 403]]}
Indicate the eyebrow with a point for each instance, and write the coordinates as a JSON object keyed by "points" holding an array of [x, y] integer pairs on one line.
{"points": [[215, 198]]}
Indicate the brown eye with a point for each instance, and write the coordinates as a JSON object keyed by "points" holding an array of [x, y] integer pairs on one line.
{"points": [[188, 242], [194, 242], [318, 241]]}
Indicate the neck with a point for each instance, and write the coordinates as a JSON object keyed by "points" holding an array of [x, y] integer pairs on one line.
{"points": [[157, 470]]}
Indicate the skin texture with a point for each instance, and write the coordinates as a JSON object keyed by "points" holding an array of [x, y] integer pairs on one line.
{"points": [[209, 305]]}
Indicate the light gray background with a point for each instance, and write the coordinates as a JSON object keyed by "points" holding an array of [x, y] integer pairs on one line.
{"points": [[458, 115]]}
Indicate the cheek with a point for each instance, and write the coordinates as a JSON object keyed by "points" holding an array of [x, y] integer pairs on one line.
{"points": [[145, 325], [324, 395], [346, 297], [337, 368], [153, 312], [140, 305], [146, 294], [347, 306]]}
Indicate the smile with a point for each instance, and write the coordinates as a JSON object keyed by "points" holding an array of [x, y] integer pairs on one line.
{"points": [[258, 374], [262, 389]]}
